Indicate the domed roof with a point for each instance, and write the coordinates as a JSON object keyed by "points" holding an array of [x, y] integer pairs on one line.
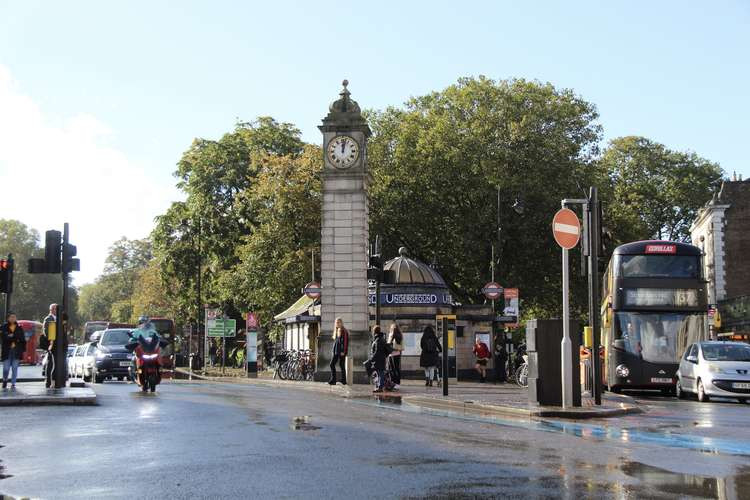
{"points": [[413, 272]]}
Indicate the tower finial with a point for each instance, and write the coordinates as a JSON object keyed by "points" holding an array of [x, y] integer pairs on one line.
{"points": [[345, 82]]}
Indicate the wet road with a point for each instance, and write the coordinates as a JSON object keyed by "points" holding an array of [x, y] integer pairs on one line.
{"points": [[202, 440]]}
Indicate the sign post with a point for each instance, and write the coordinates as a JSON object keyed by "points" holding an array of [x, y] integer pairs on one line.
{"points": [[251, 344], [567, 230]]}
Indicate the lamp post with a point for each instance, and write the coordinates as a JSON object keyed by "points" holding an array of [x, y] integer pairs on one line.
{"points": [[195, 240], [518, 208]]}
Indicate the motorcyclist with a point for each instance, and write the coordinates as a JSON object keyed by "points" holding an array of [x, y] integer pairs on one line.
{"points": [[146, 336]]}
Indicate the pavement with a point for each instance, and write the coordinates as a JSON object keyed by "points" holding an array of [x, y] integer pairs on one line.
{"points": [[464, 397], [30, 391], [204, 439]]}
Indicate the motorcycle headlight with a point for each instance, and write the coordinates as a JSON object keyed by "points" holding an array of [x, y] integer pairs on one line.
{"points": [[622, 371]]}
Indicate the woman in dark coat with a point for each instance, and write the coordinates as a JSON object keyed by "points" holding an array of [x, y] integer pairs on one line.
{"points": [[430, 356], [378, 356], [13, 346]]}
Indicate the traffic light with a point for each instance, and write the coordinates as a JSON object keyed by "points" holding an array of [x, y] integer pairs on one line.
{"points": [[69, 263], [53, 240], [6, 276]]}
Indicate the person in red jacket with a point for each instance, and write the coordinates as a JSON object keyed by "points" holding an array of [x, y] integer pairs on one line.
{"points": [[482, 352]]}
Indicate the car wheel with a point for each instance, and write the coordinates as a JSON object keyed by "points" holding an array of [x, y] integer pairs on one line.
{"points": [[702, 397], [678, 390], [614, 389]]}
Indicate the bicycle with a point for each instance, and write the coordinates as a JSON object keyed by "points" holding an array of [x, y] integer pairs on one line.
{"points": [[522, 374]]}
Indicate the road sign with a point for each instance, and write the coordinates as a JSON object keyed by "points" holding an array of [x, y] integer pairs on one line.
{"points": [[492, 290], [312, 290], [252, 322], [566, 228], [221, 327]]}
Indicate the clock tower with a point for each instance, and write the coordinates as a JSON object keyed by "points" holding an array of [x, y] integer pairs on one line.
{"points": [[344, 233]]}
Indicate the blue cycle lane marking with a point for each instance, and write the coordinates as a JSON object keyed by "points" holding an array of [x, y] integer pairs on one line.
{"points": [[591, 431]]}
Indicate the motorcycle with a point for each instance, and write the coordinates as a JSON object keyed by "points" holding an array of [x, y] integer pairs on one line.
{"points": [[146, 368]]}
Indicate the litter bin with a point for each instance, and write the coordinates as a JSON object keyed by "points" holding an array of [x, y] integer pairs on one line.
{"points": [[543, 338]]}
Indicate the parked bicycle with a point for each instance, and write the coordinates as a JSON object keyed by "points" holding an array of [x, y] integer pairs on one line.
{"points": [[294, 365], [522, 373]]}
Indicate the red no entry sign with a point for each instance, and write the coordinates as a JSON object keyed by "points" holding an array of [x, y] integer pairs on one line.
{"points": [[566, 228], [492, 290]]}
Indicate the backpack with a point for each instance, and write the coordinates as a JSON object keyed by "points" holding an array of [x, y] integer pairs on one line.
{"points": [[43, 342]]}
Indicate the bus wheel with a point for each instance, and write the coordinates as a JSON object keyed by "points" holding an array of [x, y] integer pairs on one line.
{"points": [[702, 397]]}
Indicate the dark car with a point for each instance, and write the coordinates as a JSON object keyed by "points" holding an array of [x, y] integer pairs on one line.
{"points": [[112, 359]]}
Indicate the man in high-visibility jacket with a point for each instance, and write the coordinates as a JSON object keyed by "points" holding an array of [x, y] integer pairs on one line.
{"points": [[49, 334]]}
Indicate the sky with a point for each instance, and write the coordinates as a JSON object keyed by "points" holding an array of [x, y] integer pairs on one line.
{"points": [[98, 100]]}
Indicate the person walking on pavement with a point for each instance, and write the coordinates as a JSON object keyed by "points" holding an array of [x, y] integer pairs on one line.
{"points": [[378, 356], [482, 352], [501, 356], [430, 356], [47, 342], [340, 351], [13, 346], [396, 340]]}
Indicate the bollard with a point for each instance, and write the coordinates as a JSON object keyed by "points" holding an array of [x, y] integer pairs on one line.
{"points": [[349, 370]]}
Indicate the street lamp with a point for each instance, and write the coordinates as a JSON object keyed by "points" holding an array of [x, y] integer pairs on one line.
{"points": [[199, 259]]}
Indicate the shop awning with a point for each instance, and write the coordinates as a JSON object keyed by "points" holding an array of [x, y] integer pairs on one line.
{"points": [[303, 310]]}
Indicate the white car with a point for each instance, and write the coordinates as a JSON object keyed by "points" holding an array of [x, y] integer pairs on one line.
{"points": [[720, 369], [83, 361]]}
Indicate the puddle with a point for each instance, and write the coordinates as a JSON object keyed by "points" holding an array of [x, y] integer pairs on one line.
{"points": [[674, 483], [302, 424], [663, 437]]}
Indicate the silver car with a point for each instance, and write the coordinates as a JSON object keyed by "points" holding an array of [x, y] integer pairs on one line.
{"points": [[720, 369]]}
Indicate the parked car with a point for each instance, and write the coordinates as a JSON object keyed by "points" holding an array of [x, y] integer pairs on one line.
{"points": [[112, 359], [83, 360], [712, 368], [72, 349]]}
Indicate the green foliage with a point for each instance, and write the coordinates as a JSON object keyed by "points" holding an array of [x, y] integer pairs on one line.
{"points": [[654, 192], [274, 260], [439, 163], [110, 296], [32, 293]]}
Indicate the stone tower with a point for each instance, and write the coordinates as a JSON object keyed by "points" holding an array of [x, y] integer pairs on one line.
{"points": [[345, 235]]}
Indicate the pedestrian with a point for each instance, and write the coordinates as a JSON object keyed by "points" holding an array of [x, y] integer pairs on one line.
{"points": [[482, 352], [212, 352], [378, 356], [430, 356], [340, 351], [13, 346], [501, 357], [47, 342], [396, 340]]}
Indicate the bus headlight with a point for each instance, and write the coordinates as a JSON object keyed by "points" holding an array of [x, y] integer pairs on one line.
{"points": [[622, 371]]}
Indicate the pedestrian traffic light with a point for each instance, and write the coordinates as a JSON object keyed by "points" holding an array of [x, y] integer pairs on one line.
{"points": [[53, 240], [6, 276], [69, 263]]}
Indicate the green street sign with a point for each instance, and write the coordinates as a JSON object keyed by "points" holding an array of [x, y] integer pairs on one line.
{"points": [[221, 327]]}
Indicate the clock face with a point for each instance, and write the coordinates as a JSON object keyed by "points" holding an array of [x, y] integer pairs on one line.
{"points": [[343, 151]]}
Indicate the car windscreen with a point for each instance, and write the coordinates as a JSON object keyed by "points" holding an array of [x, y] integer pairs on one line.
{"points": [[162, 326], [115, 337], [727, 352], [659, 266]]}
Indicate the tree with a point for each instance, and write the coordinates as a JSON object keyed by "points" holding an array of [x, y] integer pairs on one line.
{"points": [[439, 163], [32, 293], [216, 215], [654, 192], [274, 260], [110, 296]]}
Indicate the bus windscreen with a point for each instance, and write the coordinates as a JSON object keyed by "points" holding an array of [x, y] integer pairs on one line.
{"points": [[658, 337], [659, 266]]}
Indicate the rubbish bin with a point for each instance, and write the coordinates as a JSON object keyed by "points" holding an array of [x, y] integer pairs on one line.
{"points": [[543, 338]]}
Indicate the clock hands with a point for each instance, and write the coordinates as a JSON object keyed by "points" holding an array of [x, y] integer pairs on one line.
{"points": [[343, 145]]}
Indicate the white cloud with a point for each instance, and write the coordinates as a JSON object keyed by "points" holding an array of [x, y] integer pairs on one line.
{"points": [[105, 195]]}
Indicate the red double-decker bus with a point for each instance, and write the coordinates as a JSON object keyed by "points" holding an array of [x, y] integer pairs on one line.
{"points": [[32, 330]]}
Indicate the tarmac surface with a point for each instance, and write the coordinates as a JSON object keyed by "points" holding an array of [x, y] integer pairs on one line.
{"points": [[213, 440]]}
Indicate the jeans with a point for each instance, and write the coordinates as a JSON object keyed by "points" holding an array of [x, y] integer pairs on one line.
{"points": [[396, 369], [341, 360], [8, 364], [381, 378], [430, 372]]}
